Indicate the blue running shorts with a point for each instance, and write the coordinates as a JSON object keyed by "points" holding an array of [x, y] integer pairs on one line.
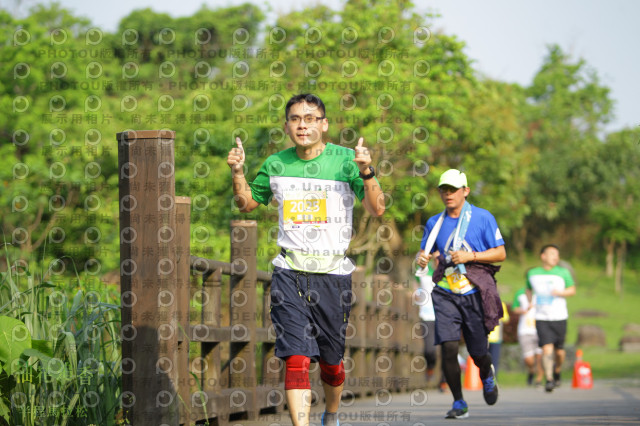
{"points": [[460, 312], [310, 314]]}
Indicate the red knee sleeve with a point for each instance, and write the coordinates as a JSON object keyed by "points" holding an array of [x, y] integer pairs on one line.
{"points": [[332, 375], [297, 372]]}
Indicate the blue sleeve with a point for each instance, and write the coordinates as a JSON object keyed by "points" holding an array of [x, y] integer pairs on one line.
{"points": [[492, 236]]}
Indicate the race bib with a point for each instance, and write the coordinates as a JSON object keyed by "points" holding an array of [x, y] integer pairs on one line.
{"points": [[304, 208], [545, 299], [530, 321], [457, 281]]}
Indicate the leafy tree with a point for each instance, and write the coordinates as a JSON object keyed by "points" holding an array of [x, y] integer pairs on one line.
{"points": [[618, 210], [533, 155], [499, 161], [81, 86], [568, 109], [54, 168], [384, 76]]}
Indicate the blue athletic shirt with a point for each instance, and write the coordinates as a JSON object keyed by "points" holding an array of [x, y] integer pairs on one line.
{"points": [[482, 234]]}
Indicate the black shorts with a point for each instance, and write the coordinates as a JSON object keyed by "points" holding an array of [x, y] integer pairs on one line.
{"points": [[551, 332], [310, 314], [460, 312]]}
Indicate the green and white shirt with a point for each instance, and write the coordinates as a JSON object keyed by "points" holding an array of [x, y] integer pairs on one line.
{"points": [[527, 321], [542, 282], [315, 201]]}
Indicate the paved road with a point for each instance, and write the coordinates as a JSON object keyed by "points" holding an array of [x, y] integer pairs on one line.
{"points": [[608, 403]]}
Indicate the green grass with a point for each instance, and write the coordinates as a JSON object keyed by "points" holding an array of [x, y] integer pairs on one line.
{"points": [[605, 364], [595, 292]]}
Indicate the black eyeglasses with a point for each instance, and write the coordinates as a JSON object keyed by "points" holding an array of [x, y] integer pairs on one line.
{"points": [[310, 119]]}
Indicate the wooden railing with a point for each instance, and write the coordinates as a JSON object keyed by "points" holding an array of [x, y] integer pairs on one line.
{"points": [[187, 356]]}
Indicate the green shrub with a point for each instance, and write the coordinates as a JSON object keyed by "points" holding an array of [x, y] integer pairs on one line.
{"points": [[60, 351]]}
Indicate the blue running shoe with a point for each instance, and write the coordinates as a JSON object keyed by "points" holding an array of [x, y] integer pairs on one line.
{"points": [[460, 410], [490, 388], [332, 419]]}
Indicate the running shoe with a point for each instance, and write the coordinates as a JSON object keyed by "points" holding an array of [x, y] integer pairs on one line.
{"points": [[556, 379], [337, 423], [549, 386], [460, 410], [490, 388], [530, 379]]}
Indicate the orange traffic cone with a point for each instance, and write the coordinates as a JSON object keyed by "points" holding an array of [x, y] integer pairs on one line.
{"points": [[582, 377], [472, 376]]}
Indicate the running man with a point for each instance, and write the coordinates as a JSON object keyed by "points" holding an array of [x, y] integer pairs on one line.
{"points": [[315, 185], [548, 286], [466, 241]]}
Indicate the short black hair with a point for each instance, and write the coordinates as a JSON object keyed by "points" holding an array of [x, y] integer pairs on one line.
{"points": [[546, 246], [304, 97]]}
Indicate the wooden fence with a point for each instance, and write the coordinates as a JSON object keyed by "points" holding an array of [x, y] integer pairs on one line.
{"points": [[187, 356]]}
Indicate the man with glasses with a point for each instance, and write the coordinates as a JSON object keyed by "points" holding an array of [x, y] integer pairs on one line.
{"points": [[314, 185], [466, 241]]}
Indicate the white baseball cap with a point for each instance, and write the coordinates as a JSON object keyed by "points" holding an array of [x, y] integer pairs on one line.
{"points": [[453, 177]]}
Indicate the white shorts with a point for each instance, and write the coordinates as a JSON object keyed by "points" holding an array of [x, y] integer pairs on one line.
{"points": [[529, 345]]}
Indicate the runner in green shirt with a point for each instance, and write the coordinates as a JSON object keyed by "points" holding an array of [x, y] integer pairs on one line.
{"points": [[547, 287]]}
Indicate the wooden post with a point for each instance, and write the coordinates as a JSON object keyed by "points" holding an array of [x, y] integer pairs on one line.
{"points": [[372, 343], [383, 298], [417, 362], [148, 276], [407, 352], [183, 253], [242, 361], [398, 337], [208, 367], [272, 366], [357, 342]]}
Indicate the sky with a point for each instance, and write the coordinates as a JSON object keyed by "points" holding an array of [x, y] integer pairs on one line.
{"points": [[507, 39]]}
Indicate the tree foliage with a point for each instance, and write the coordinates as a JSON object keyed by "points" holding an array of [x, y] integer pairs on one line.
{"points": [[536, 156]]}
